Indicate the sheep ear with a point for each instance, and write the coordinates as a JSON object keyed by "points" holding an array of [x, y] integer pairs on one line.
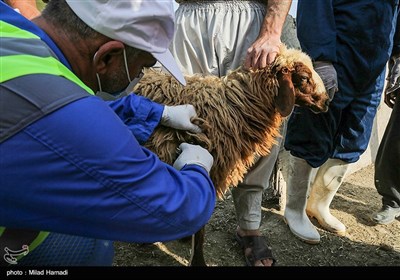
{"points": [[286, 97]]}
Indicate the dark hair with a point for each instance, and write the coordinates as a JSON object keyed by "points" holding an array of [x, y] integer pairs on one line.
{"points": [[59, 14]]}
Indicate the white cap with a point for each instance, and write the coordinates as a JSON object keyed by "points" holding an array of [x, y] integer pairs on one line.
{"points": [[142, 24]]}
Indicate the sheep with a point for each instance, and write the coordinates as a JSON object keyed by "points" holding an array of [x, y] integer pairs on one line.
{"points": [[240, 113]]}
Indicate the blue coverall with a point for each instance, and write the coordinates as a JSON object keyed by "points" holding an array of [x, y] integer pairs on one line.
{"points": [[357, 37], [81, 174]]}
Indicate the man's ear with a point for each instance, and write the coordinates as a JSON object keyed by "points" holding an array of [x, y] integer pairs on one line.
{"points": [[106, 54], [286, 97]]}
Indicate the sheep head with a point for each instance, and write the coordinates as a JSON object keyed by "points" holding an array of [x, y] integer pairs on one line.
{"points": [[299, 83]]}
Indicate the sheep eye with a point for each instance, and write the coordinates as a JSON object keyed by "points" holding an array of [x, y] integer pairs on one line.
{"points": [[304, 79]]}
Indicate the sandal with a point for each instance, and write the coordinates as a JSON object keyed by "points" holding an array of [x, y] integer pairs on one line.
{"points": [[260, 250]]}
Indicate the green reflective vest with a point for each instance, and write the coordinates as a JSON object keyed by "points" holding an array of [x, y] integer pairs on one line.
{"points": [[24, 53]]}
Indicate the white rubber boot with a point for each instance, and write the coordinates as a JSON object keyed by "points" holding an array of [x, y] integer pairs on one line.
{"points": [[326, 183], [298, 182]]}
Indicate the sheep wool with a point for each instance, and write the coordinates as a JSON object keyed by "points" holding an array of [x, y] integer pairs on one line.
{"points": [[239, 113]]}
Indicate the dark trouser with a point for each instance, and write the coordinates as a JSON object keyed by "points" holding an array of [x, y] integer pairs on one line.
{"points": [[387, 165], [343, 132]]}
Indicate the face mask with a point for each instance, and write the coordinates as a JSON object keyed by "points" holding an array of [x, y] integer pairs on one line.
{"points": [[113, 96], [133, 83]]}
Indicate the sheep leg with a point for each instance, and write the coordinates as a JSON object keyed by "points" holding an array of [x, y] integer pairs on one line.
{"points": [[197, 256]]}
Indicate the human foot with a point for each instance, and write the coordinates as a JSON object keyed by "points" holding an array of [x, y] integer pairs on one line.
{"points": [[257, 252]]}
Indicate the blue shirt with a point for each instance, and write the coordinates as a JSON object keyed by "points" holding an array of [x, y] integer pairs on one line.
{"points": [[81, 171], [358, 35]]}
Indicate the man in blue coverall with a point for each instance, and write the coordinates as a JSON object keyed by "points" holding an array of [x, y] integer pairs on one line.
{"points": [[350, 43], [73, 172]]}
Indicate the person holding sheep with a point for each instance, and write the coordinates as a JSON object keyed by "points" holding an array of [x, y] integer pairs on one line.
{"points": [[387, 175], [350, 43], [214, 37], [74, 176]]}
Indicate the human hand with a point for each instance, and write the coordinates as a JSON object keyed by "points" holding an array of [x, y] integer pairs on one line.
{"points": [[262, 52], [179, 117], [328, 75], [393, 85], [26, 8], [193, 154]]}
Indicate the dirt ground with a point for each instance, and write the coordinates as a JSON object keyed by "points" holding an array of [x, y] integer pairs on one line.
{"points": [[365, 243]]}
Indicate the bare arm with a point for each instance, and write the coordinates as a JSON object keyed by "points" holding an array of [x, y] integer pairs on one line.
{"points": [[27, 8], [265, 48]]}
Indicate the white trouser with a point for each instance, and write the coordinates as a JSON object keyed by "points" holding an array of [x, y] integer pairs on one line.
{"points": [[212, 37]]}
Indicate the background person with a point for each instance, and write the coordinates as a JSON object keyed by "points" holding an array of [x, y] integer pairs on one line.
{"points": [[387, 175], [350, 42], [214, 37]]}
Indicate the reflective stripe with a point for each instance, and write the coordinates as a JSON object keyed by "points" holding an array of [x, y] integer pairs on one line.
{"points": [[8, 30], [14, 239], [21, 65], [29, 60], [13, 242], [14, 46], [36, 242]]}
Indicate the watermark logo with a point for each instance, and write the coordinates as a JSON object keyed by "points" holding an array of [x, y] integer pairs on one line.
{"points": [[11, 255]]}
